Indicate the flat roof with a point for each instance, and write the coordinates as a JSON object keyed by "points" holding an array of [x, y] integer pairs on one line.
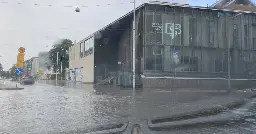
{"points": [[249, 10]]}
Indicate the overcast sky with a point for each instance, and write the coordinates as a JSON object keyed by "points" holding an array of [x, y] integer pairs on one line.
{"points": [[37, 27]]}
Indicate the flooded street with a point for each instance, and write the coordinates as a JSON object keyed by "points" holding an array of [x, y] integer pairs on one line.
{"points": [[43, 108]]}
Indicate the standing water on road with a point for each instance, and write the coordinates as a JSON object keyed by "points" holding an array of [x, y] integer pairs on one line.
{"points": [[43, 108]]}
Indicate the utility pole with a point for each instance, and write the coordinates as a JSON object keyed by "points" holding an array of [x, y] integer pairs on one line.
{"points": [[229, 58], [61, 70], [229, 45], [57, 66], [134, 45]]}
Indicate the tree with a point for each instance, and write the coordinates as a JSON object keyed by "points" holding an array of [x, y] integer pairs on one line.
{"points": [[62, 48], [1, 69], [12, 70]]}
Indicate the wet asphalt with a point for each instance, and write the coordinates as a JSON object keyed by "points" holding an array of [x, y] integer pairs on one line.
{"points": [[44, 108]]}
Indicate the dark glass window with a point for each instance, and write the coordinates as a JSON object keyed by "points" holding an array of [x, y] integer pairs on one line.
{"points": [[254, 43], [81, 49], [189, 63], [211, 33], [192, 31], [235, 36], [150, 26], [246, 30], [218, 66], [153, 30], [154, 58]]}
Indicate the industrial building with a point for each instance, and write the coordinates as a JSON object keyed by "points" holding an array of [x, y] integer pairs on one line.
{"points": [[172, 41]]}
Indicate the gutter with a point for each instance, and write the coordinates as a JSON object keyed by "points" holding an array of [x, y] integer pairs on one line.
{"points": [[108, 129]]}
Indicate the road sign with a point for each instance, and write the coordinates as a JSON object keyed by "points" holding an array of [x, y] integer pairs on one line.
{"points": [[20, 60], [18, 70], [20, 57], [21, 50]]}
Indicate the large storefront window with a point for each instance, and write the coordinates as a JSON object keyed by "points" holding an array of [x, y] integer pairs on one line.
{"points": [[154, 58]]}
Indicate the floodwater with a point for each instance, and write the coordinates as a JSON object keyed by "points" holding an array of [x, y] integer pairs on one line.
{"points": [[43, 108]]}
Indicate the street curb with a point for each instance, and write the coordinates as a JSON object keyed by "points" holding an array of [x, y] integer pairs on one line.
{"points": [[220, 114], [109, 129], [15, 88]]}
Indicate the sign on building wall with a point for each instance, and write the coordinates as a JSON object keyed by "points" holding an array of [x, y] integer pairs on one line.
{"points": [[171, 29]]}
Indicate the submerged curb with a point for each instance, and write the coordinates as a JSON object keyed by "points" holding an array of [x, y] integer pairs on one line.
{"points": [[220, 114], [13, 88], [108, 129]]}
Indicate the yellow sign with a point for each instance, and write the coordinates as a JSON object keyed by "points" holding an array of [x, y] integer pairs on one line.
{"points": [[20, 60], [21, 50]]}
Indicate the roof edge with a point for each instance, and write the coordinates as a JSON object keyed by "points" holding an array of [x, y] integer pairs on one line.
{"points": [[127, 14], [214, 4]]}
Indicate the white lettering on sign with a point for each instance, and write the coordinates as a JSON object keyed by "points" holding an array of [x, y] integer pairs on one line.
{"points": [[170, 28], [157, 26]]}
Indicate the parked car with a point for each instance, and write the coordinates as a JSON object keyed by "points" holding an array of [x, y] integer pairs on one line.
{"points": [[28, 80], [14, 79]]}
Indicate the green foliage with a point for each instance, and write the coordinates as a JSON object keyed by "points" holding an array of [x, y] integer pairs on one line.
{"points": [[1, 67], [10, 73], [13, 70], [6, 74], [63, 57], [1, 70]]}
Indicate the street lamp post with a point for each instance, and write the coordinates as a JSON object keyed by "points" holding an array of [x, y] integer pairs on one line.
{"points": [[229, 45], [61, 70], [134, 45], [229, 58], [57, 66]]}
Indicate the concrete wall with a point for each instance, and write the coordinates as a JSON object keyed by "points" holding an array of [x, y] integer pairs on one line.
{"points": [[197, 83]]}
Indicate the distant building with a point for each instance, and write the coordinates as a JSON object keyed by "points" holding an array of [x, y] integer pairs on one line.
{"points": [[31, 66]]}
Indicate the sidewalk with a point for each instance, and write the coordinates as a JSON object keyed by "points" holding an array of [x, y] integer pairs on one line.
{"points": [[8, 85], [216, 110]]}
